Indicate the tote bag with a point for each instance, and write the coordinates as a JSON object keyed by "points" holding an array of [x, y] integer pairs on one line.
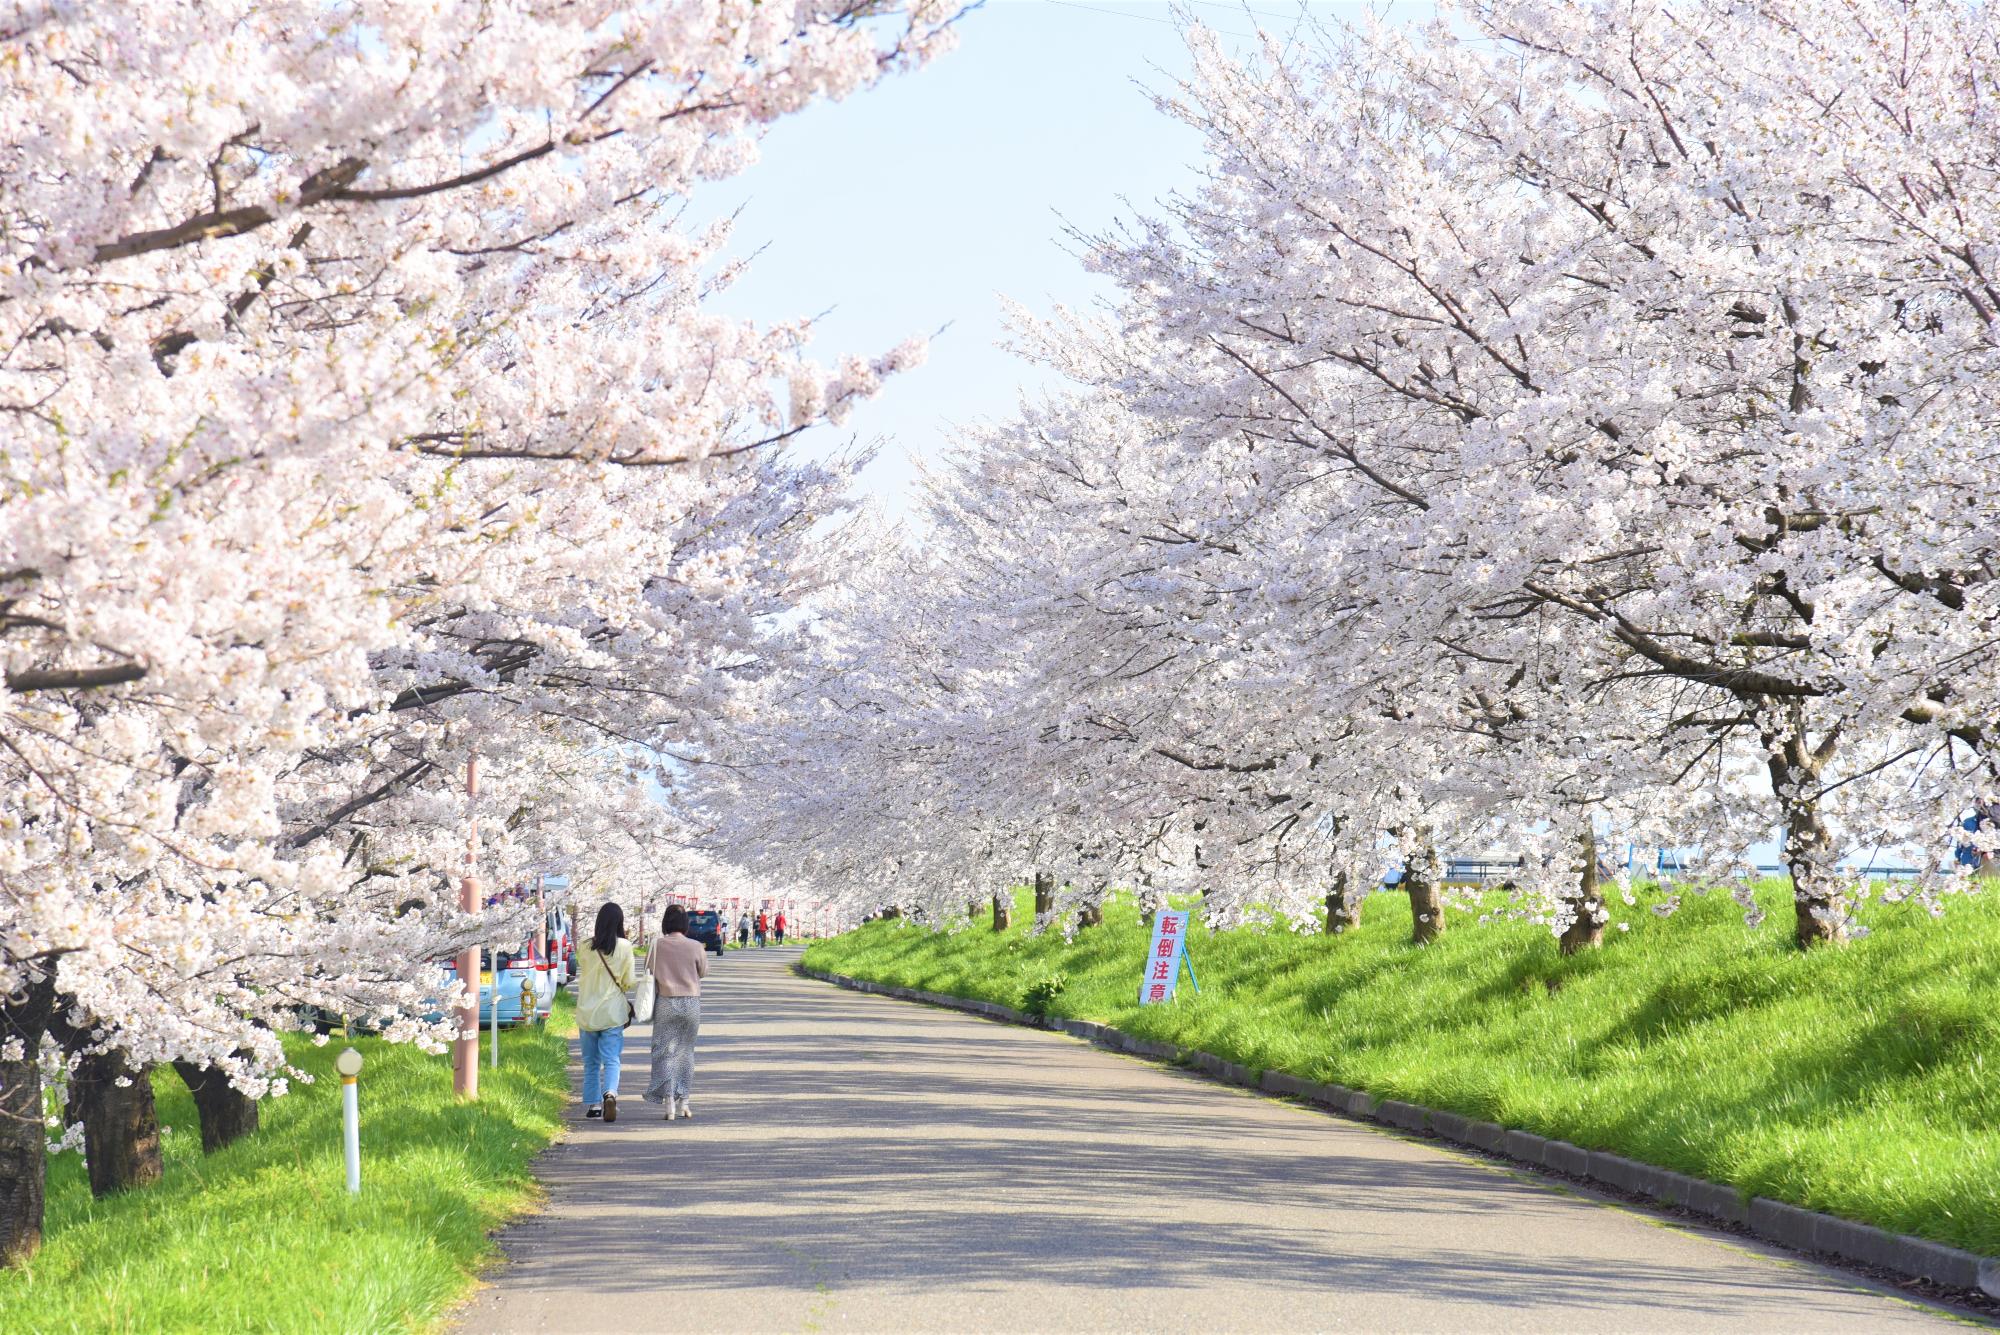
{"points": [[641, 996]]}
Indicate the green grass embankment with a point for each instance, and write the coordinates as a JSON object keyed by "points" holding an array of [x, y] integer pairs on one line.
{"points": [[1862, 1081], [262, 1235]]}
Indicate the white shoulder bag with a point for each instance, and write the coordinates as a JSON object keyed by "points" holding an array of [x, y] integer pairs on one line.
{"points": [[641, 995]]}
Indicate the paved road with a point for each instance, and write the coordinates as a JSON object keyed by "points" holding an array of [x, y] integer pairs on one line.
{"points": [[863, 1164]]}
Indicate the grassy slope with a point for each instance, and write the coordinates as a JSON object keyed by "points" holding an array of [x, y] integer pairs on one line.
{"points": [[1863, 1081], [262, 1235]]}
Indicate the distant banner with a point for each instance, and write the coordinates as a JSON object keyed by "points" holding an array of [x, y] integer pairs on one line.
{"points": [[1164, 959]]}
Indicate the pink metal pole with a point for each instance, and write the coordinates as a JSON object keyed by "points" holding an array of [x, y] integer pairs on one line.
{"points": [[465, 1051]]}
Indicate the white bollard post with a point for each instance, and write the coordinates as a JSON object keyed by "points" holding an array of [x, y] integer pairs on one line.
{"points": [[497, 976], [348, 1063]]}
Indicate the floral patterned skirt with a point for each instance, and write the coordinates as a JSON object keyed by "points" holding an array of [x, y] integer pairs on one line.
{"points": [[676, 1020]]}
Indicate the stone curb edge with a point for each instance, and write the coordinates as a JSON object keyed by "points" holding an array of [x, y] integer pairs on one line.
{"points": [[1789, 1226]]}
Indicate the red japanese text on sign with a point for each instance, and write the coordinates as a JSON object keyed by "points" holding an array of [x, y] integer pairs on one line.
{"points": [[1163, 963]]}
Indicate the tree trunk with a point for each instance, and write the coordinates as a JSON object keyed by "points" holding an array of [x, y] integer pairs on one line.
{"points": [[1819, 909], [972, 908], [23, 1140], [1090, 915], [1045, 893], [1420, 878], [23, 1147], [121, 1131], [227, 1114], [1343, 909], [1003, 910], [891, 912], [1587, 915]]}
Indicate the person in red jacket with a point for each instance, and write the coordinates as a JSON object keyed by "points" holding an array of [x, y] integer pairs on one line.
{"points": [[763, 928], [780, 926]]}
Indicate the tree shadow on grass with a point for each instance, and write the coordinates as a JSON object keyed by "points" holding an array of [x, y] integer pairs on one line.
{"points": [[1820, 1082], [428, 1157]]}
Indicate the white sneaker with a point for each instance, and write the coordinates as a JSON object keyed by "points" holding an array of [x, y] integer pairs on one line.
{"points": [[687, 1110]]}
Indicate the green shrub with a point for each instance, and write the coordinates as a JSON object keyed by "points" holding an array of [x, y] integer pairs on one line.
{"points": [[1042, 994]]}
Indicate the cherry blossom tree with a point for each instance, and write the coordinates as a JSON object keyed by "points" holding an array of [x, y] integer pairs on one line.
{"points": [[1597, 307], [1565, 424], [362, 409]]}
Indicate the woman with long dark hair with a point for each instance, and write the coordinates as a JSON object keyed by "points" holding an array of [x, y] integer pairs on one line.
{"points": [[603, 977], [677, 965]]}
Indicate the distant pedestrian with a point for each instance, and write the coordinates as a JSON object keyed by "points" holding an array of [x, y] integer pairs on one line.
{"points": [[677, 965], [743, 930], [604, 975], [763, 928], [1979, 853], [779, 927]]}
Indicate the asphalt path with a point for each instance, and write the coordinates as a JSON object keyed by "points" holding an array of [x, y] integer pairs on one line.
{"points": [[857, 1163]]}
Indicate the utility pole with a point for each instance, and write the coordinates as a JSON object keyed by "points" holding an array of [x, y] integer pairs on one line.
{"points": [[465, 1052], [542, 961]]}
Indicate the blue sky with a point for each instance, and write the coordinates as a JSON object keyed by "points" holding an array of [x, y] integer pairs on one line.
{"points": [[917, 205]]}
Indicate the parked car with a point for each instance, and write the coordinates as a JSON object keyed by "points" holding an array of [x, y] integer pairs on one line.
{"points": [[552, 959], [542, 986], [561, 946], [320, 1020], [517, 974], [705, 926]]}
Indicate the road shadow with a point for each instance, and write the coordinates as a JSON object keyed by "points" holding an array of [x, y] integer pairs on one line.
{"points": [[846, 1142]]}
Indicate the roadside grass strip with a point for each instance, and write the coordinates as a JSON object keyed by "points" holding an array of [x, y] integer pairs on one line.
{"points": [[262, 1235], [1857, 1081]]}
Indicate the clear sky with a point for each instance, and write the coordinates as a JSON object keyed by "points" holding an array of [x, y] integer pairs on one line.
{"points": [[917, 205]]}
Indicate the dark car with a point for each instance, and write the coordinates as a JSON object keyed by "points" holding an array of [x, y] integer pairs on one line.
{"points": [[705, 926]]}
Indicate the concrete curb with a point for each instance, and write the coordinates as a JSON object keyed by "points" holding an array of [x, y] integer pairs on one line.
{"points": [[1787, 1225]]}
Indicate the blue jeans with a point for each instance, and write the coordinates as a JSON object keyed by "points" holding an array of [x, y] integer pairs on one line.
{"points": [[602, 1052]]}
